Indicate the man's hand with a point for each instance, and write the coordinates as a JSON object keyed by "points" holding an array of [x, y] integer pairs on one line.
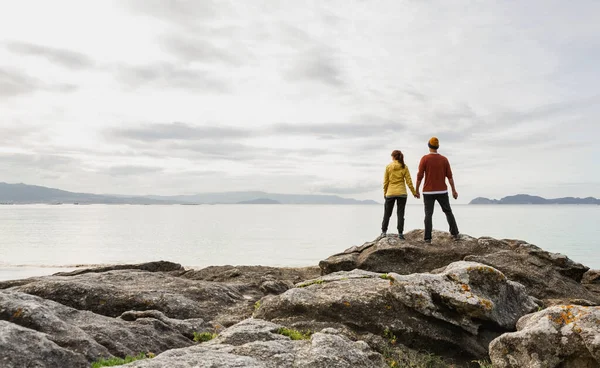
{"points": [[417, 195], [455, 194]]}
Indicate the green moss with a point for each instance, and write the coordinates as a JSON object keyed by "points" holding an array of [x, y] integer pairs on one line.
{"points": [[294, 334], [257, 305], [313, 282], [111, 362], [204, 336], [386, 276]]}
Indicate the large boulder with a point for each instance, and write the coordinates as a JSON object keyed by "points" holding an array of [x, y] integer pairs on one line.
{"points": [[454, 313], [225, 294], [112, 293], [565, 336], [545, 275], [80, 336], [256, 343], [413, 255]]}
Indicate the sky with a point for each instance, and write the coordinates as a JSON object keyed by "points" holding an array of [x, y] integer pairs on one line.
{"points": [[295, 96]]}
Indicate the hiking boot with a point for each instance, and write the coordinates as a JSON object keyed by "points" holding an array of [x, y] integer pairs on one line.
{"points": [[428, 241], [383, 234], [456, 237], [401, 237]]}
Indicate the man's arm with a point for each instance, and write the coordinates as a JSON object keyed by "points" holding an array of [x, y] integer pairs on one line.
{"points": [[451, 180], [454, 192]]}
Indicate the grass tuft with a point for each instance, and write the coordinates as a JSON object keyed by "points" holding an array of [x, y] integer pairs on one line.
{"points": [[111, 362], [294, 334], [204, 336]]}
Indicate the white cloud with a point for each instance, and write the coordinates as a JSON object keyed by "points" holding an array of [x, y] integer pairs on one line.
{"points": [[299, 96]]}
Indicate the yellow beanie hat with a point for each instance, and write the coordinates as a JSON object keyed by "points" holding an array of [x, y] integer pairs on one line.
{"points": [[434, 143]]}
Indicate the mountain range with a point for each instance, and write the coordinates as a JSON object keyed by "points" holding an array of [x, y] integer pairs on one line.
{"points": [[23, 193], [529, 199]]}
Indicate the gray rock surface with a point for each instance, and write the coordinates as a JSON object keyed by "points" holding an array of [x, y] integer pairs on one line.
{"points": [[224, 294], [545, 275], [89, 336], [565, 336], [591, 277], [157, 266], [112, 293], [255, 343], [458, 311], [25, 348]]}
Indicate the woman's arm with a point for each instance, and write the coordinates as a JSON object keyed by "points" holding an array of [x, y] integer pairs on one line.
{"points": [[409, 182], [386, 181]]}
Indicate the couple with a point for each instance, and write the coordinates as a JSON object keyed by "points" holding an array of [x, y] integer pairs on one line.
{"points": [[435, 168]]}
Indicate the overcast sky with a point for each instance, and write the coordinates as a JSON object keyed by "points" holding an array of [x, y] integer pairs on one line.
{"points": [[178, 97]]}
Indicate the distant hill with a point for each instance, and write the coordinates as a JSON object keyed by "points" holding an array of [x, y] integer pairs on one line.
{"points": [[260, 201], [529, 199], [23, 193], [237, 197]]}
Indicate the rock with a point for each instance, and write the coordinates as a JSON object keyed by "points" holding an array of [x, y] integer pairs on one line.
{"points": [[255, 343], [21, 347], [113, 293], [456, 312], [545, 275], [591, 277], [89, 336], [158, 266], [390, 254], [275, 287], [561, 336], [223, 294]]}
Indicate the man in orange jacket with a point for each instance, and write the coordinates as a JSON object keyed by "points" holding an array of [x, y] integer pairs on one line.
{"points": [[436, 168]]}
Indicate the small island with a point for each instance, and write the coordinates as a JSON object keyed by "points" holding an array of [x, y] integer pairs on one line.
{"points": [[529, 199]]}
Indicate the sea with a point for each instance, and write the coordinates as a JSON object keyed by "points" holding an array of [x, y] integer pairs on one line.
{"points": [[39, 240]]}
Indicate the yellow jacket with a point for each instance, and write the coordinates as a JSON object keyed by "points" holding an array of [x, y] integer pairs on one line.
{"points": [[396, 179]]}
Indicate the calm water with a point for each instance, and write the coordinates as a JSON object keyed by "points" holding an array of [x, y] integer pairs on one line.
{"points": [[35, 236]]}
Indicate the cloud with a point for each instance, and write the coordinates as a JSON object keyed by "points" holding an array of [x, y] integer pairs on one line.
{"points": [[179, 13], [13, 83], [129, 170], [197, 49], [317, 65], [16, 83], [165, 75], [177, 131], [364, 127], [36, 161], [66, 58]]}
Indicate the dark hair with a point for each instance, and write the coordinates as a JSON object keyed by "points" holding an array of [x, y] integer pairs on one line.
{"points": [[398, 156]]}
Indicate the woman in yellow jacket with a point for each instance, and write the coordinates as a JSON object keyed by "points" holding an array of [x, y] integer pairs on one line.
{"points": [[395, 180]]}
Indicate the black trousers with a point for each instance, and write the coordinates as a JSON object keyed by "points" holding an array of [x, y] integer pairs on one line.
{"points": [[444, 201], [389, 208]]}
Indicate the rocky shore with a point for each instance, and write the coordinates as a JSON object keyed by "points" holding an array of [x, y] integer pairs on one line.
{"points": [[387, 303]]}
